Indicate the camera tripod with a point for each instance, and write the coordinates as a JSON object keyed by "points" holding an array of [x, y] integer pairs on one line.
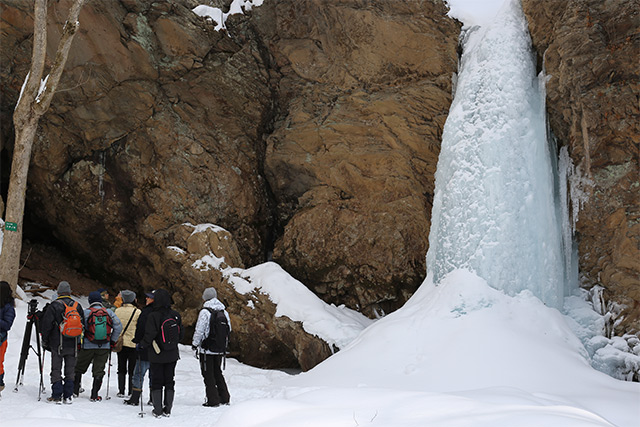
{"points": [[26, 346]]}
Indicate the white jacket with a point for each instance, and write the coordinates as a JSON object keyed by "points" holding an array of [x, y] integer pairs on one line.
{"points": [[202, 325]]}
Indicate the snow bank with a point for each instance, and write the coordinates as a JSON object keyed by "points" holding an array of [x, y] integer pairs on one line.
{"points": [[460, 353], [337, 325]]}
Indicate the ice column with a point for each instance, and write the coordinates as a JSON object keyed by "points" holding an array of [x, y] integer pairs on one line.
{"points": [[494, 210]]}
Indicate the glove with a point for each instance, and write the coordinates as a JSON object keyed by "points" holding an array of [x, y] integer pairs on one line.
{"points": [[45, 346], [112, 345], [195, 351]]}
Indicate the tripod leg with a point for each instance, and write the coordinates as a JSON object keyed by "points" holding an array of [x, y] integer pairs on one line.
{"points": [[40, 354], [24, 353]]}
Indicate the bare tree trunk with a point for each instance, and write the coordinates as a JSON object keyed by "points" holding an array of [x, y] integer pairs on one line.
{"points": [[33, 103]]}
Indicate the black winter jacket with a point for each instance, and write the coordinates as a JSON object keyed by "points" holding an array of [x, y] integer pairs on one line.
{"points": [[50, 328], [161, 311], [140, 329]]}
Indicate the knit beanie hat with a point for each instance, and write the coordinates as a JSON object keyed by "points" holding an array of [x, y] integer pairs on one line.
{"points": [[128, 296], [209, 293], [64, 288], [95, 297]]}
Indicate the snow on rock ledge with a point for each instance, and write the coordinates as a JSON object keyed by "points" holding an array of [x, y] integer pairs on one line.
{"points": [[277, 322]]}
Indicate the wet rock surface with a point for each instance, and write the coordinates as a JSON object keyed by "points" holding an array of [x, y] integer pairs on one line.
{"points": [[590, 51]]}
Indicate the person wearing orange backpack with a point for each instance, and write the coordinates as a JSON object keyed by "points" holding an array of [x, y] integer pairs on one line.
{"points": [[61, 327], [102, 329]]}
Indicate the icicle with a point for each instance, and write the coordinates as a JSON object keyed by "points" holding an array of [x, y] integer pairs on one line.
{"points": [[101, 175]]}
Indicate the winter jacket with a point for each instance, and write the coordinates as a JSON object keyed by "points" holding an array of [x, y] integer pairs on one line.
{"points": [[49, 326], [124, 313], [204, 320], [139, 333], [7, 316], [115, 332], [161, 311]]}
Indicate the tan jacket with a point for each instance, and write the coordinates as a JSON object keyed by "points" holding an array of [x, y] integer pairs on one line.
{"points": [[124, 313]]}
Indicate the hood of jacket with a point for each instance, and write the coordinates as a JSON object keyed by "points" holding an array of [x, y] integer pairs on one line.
{"points": [[161, 299], [214, 304]]}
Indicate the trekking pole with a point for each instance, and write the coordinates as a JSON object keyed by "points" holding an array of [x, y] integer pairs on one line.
{"points": [[139, 372], [108, 375]]}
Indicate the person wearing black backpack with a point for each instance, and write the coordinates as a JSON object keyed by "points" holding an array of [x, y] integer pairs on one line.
{"points": [[210, 340], [102, 329], [63, 345], [163, 332]]}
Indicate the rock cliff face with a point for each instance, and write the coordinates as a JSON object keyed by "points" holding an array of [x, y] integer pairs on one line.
{"points": [[590, 50], [366, 88], [309, 130]]}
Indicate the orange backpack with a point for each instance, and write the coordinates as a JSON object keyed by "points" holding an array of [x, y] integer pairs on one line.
{"points": [[71, 325]]}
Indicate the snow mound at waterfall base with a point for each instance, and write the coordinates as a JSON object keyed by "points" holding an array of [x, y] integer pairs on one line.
{"points": [[460, 353]]}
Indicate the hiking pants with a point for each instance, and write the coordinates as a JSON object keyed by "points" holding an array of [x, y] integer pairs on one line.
{"points": [[127, 363], [97, 356], [142, 366], [214, 383], [161, 375], [68, 357]]}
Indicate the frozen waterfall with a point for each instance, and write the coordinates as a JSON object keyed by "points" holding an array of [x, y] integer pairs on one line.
{"points": [[494, 209]]}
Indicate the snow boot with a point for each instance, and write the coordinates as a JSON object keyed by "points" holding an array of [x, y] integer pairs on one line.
{"points": [[134, 400], [168, 402], [156, 398], [97, 383]]}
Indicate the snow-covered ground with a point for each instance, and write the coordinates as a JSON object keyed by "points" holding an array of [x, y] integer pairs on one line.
{"points": [[458, 354]]}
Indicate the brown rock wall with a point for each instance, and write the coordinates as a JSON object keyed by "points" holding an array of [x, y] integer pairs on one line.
{"points": [[366, 88], [590, 49]]}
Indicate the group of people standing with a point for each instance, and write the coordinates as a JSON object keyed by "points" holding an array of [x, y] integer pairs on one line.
{"points": [[78, 338]]}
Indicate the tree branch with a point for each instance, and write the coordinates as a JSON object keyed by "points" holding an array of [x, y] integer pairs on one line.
{"points": [[38, 56], [69, 30]]}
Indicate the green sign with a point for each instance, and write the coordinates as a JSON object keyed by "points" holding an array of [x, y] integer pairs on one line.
{"points": [[11, 226]]}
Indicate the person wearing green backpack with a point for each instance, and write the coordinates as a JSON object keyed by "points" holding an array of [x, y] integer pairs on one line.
{"points": [[102, 329]]}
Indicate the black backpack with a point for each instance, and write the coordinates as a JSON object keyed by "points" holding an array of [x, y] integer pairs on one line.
{"points": [[219, 329], [169, 335]]}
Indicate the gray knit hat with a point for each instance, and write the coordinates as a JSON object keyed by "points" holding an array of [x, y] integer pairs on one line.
{"points": [[209, 293], [64, 288], [128, 297]]}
